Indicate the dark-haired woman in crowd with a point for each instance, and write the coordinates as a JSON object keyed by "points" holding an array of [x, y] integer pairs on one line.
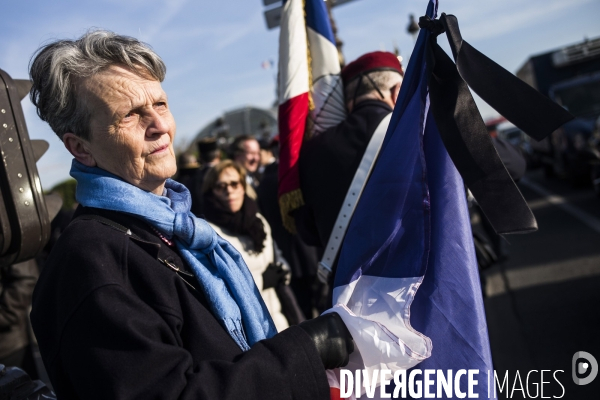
{"points": [[235, 217]]}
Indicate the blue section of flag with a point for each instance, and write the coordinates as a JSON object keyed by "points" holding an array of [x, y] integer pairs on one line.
{"points": [[448, 307], [412, 220], [318, 20], [391, 224], [389, 232]]}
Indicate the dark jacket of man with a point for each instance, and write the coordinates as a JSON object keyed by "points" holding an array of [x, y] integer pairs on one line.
{"points": [[16, 286], [113, 322], [195, 189], [186, 176], [303, 259], [327, 166]]}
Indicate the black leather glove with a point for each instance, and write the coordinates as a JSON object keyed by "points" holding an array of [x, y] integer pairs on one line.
{"points": [[331, 338], [273, 275]]}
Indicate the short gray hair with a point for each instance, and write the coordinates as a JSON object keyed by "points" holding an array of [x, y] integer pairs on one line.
{"points": [[57, 68], [383, 80]]}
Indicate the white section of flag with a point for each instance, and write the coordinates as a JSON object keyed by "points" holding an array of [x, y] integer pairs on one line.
{"points": [[376, 311], [327, 91], [293, 61], [324, 55]]}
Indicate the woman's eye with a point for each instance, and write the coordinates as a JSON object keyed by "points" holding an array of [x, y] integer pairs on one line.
{"points": [[129, 115]]}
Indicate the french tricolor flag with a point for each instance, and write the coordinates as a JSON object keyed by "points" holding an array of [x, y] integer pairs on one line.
{"points": [[310, 90], [407, 284]]}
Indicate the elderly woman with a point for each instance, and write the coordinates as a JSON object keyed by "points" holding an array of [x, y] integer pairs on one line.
{"points": [[139, 298], [234, 216]]}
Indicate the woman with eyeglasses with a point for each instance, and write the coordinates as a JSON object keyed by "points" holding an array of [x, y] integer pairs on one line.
{"points": [[235, 217]]}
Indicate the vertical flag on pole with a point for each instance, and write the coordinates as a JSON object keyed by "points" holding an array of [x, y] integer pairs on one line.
{"points": [[293, 88], [310, 90]]}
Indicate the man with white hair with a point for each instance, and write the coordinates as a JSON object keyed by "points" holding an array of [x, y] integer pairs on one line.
{"points": [[329, 160]]}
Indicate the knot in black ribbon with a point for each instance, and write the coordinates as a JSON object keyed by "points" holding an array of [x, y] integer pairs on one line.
{"points": [[432, 25], [463, 131]]}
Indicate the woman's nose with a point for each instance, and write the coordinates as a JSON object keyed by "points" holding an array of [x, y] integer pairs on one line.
{"points": [[229, 189], [159, 124]]}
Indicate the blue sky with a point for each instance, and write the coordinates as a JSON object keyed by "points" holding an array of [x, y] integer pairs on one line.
{"points": [[214, 49]]}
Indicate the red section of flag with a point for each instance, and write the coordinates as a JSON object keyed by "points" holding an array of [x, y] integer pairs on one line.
{"points": [[334, 393], [292, 123]]}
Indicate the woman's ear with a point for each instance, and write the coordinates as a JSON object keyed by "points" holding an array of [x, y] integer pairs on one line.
{"points": [[79, 148]]}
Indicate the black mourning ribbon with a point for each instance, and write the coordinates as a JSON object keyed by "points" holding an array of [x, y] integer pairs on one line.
{"points": [[463, 131]]}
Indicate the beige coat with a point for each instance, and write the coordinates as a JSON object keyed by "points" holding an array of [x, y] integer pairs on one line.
{"points": [[257, 263]]}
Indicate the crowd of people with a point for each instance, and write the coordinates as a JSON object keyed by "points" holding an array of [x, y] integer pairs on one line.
{"points": [[188, 287], [235, 189]]}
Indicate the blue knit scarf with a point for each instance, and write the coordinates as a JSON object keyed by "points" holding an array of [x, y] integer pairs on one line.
{"points": [[217, 265]]}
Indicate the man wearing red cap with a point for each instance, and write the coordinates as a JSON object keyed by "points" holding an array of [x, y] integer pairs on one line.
{"points": [[329, 160]]}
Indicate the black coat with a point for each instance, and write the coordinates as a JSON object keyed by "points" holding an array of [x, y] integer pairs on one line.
{"points": [[16, 286], [303, 259], [328, 163], [115, 323], [195, 189]]}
